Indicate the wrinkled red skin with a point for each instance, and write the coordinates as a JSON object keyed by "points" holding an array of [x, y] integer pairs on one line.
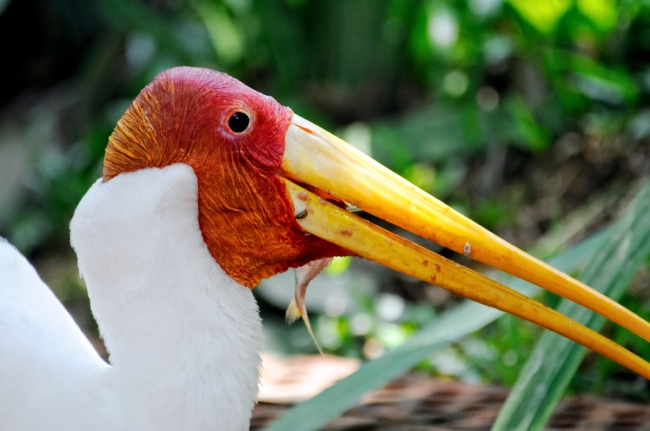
{"points": [[245, 213]]}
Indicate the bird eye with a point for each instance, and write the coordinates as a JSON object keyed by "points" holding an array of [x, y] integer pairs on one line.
{"points": [[238, 122]]}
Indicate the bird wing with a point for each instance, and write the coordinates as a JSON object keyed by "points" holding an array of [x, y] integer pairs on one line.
{"points": [[47, 366]]}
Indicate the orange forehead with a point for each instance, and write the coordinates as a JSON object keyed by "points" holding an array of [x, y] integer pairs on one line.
{"points": [[181, 117], [245, 214]]}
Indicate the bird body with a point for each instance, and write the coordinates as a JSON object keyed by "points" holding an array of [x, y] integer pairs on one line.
{"points": [[184, 338], [49, 372]]}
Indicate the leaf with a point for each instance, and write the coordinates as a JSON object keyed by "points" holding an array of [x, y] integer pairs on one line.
{"points": [[226, 39], [453, 325], [542, 15], [600, 82], [555, 359], [603, 13], [526, 131]]}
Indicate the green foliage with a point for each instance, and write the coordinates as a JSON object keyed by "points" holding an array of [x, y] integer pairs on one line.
{"points": [[555, 359], [381, 322]]}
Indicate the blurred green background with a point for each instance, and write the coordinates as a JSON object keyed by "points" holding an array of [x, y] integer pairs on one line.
{"points": [[531, 117]]}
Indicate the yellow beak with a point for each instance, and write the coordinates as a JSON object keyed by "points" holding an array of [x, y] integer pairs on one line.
{"points": [[320, 160]]}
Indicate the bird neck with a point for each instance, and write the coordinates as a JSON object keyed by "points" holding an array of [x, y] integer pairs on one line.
{"points": [[184, 338]]}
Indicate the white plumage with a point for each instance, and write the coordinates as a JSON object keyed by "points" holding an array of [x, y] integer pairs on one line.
{"points": [[184, 338]]}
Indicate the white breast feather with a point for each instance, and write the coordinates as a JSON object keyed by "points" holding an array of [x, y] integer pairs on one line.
{"points": [[184, 338]]}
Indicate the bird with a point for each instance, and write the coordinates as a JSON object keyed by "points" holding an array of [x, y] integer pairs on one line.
{"points": [[207, 188]]}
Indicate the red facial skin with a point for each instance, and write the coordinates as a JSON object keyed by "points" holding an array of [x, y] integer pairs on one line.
{"points": [[245, 213]]}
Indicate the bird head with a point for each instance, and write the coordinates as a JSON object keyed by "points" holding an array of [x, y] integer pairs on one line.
{"points": [[273, 190], [234, 139]]}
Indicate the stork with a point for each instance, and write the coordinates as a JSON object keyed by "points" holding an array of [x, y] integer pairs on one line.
{"points": [[208, 187]]}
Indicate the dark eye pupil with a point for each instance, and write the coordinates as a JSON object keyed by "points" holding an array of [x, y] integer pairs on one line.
{"points": [[238, 122]]}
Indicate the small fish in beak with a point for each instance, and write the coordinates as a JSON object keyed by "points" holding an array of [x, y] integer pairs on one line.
{"points": [[304, 275]]}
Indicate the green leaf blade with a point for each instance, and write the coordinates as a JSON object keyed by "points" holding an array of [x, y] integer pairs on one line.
{"points": [[555, 359]]}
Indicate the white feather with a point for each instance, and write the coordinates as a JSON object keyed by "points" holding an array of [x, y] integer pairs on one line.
{"points": [[184, 338]]}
